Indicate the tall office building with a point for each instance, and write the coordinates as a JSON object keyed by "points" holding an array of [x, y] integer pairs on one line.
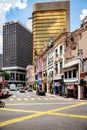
{"points": [[17, 50], [48, 20], [1, 61]]}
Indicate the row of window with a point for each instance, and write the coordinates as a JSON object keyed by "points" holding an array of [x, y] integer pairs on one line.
{"points": [[70, 74], [20, 77]]}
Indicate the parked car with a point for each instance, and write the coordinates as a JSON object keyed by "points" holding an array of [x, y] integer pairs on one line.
{"points": [[22, 90], [13, 87], [19, 86], [30, 89], [40, 91]]}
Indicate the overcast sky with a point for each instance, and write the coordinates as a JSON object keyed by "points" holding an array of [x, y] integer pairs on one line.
{"points": [[22, 9]]}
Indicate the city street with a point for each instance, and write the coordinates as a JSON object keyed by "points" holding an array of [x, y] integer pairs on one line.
{"points": [[43, 47], [28, 111]]}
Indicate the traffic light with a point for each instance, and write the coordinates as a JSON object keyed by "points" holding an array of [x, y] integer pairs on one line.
{"points": [[82, 82]]}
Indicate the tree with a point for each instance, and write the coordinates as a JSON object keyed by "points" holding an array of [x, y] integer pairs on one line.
{"points": [[6, 74]]}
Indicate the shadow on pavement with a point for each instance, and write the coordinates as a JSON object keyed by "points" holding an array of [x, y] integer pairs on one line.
{"points": [[6, 96]]}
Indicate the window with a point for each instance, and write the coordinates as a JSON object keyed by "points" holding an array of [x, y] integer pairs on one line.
{"points": [[74, 73], [52, 73], [56, 68], [65, 75], [12, 76], [56, 52], [69, 74], [61, 50], [61, 64]]}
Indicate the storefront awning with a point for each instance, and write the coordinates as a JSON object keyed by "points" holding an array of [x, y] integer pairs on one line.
{"points": [[70, 87]]}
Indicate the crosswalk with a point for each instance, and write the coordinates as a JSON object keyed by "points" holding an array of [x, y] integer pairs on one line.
{"points": [[29, 98]]}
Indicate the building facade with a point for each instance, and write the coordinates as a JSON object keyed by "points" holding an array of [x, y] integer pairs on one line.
{"points": [[59, 59], [1, 61], [48, 22], [17, 50], [65, 64], [75, 64], [29, 75]]}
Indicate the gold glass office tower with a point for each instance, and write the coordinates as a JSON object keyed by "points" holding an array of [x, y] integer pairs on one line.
{"points": [[48, 20]]}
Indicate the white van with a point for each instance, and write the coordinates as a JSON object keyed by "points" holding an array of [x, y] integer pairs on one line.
{"points": [[13, 87]]}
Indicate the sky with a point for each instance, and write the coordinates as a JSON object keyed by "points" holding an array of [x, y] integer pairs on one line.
{"points": [[22, 10]]}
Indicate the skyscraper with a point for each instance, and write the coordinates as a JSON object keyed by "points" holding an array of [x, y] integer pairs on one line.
{"points": [[49, 19], [17, 50], [1, 61]]}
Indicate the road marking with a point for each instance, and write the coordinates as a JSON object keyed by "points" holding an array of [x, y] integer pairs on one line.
{"points": [[39, 113], [11, 99], [39, 98], [18, 99], [41, 103], [26, 99], [52, 98], [19, 110], [46, 99], [20, 119], [69, 115], [66, 107], [32, 98]]}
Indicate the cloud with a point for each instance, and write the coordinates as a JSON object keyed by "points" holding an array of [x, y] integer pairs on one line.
{"points": [[5, 6], [84, 13], [29, 24]]}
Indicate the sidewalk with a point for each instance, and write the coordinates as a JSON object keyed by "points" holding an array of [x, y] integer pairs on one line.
{"points": [[61, 98], [64, 98]]}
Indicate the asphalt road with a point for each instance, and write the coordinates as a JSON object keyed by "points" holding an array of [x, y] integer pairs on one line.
{"points": [[27, 111]]}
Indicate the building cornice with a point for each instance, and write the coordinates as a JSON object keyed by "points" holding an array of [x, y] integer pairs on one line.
{"points": [[13, 68]]}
